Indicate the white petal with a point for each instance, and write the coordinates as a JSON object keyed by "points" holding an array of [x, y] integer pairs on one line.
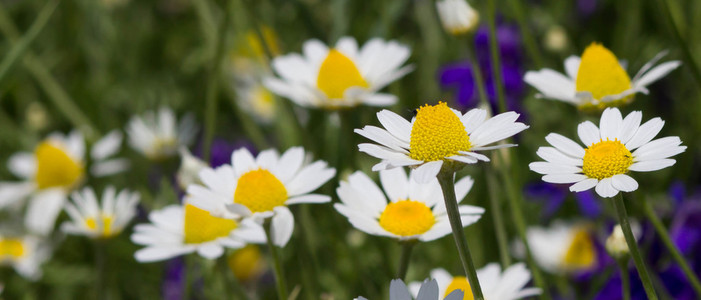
{"points": [[289, 164], [308, 198], [11, 192], [624, 183], [658, 149], [645, 133], [588, 133], [476, 155], [657, 73], [210, 250], [551, 84], [630, 126], [151, 254], [611, 123], [43, 210], [584, 185], [564, 178], [473, 119], [605, 188], [572, 66], [109, 167], [22, 164], [553, 155], [107, 146], [395, 124], [380, 99], [282, 226], [395, 183], [398, 290], [565, 145], [552, 168], [310, 178], [651, 165], [463, 159], [242, 160], [428, 171]]}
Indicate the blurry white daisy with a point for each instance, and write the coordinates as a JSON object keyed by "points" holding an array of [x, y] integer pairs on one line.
{"points": [[56, 167], [253, 97], [182, 229], [190, 167], [457, 16], [89, 219], [343, 76], [437, 138], [414, 211], [597, 80], [428, 290], [157, 135], [24, 254], [608, 157], [562, 247], [495, 284], [262, 187]]}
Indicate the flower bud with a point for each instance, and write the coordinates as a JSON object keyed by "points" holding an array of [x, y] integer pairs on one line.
{"points": [[616, 244], [190, 167], [457, 16]]}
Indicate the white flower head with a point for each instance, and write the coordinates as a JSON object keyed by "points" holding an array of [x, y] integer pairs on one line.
{"points": [[158, 135], [25, 254], [343, 76], [438, 137], [57, 166], [507, 285], [457, 16], [562, 247], [613, 149], [90, 219], [428, 290], [413, 212], [597, 80], [262, 187], [182, 229]]}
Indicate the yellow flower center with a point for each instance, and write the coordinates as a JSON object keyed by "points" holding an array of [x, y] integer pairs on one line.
{"points": [[605, 159], [246, 262], [11, 248], [55, 168], [460, 283], [263, 101], [162, 148], [105, 227], [437, 133], [407, 218], [601, 74], [581, 253], [260, 191], [338, 73], [202, 227]]}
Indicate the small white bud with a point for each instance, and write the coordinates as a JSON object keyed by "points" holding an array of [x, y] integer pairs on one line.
{"points": [[616, 244], [190, 167], [457, 16]]}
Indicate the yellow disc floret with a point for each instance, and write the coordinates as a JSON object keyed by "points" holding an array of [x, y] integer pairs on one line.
{"points": [[601, 74], [104, 228], [407, 218], [260, 191], [460, 283], [605, 159], [581, 254], [11, 248], [338, 73], [202, 227], [55, 168], [246, 263], [437, 133]]}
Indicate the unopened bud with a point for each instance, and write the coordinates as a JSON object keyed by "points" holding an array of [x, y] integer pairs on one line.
{"points": [[616, 244], [190, 167], [457, 16]]}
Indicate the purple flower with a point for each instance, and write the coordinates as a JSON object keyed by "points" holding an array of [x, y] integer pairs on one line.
{"points": [[174, 279]]}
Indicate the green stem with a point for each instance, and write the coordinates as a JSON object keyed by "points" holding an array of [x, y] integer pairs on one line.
{"points": [[229, 280], [680, 40], [495, 55], [405, 259], [451, 204], [667, 241], [190, 265], [633, 246], [213, 81], [499, 228], [476, 71], [277, 265], [528, 40], [625, 277], [100, 266]]}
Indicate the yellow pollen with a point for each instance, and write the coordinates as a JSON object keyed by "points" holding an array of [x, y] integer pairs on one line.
{"points": [[581, 253], [601, 74], [202, 227], [55, 168], [605, 159], [437, 133], [407, 218], [338, 73], [246, 263], [460, 283], [11, 248], [105, 226], [260, 191]]}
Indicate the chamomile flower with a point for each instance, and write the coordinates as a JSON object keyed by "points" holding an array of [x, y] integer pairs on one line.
{"points": [[57, 166], [253, 97], [89, 219], [437, 138], [262, 187], [457, 16], [613, 149], [562, 247], [413, 212], [597, 80], [25, 254], [343, 76], [158, 135], [495, 284], [428, 290], [182, 229]]}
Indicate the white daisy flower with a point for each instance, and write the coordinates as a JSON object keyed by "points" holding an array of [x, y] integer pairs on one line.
{"points": [[262, 187], [413, 212], [437, 138], [89, 219], [56, 167], [562, 248], [157, 135], [254, 98], [457, 16], [428, 290], [495, 284], [608, 157], [182, 229], [343, 76], [25, 254], [597, 80]]}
